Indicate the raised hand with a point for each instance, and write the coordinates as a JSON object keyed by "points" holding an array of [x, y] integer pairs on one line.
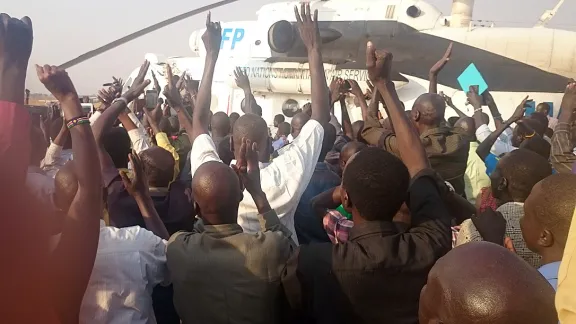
{"points": [[488, 99], [520, 110], [212, 37], [248, 168], [474, 98], [241, 78], [156, 83], [436, 68], [355, 88], [336, 89], [447, 99], [57, 82], [191, 85], [139, 84], [106, 96], [172, 92], [137, 187], [308, 26], [16, 37], [370, 91], [378, 63]]}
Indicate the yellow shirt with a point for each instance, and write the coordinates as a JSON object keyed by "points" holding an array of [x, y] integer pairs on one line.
{"points": [[566, 296], [475, 177], [163, 142]]}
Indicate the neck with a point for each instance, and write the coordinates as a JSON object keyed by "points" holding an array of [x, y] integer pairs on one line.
{"points": [[216, 133], [551, 255], [220, 218]]}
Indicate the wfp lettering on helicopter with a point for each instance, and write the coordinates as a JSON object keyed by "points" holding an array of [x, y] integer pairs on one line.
{"points": [[232, 36], [303, 74]]}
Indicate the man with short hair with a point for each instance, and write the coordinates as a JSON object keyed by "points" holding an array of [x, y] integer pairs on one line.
{"points": [[377, 275], [281, 137], [446, 149], [220, 126], [297, 123], [515, 175], [544, 108], [482, 282], [548, 212]]}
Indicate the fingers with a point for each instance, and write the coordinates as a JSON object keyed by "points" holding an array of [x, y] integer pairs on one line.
{"points": [[449, 51], [143, 70], [370, 54], [125, 179], [297, 14], [170, 75], [208, 19]]}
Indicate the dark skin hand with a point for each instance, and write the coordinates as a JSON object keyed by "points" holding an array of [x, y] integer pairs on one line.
{"points": [[243, 82], [310, 35], [16, 37], [435, 70], [137, 187], [346, 123], [80, 231], [449, 103], [329, 199], [154, 118], [108, 117], [484, 148], [156, 83], [172, 94], [357, 92], [491, 103], [336, 90], [248, 169], [379, 66], [201, 118]]}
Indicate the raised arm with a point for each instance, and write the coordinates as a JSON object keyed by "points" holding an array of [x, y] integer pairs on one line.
{"points": [[201, 118], [561, 154], [138, 188], [73, 258], [109, 116], [243, 82], [450, 104], [357, 92], [484, 148], [379, 64], [435, 70], [496, 115], [310, 34]]}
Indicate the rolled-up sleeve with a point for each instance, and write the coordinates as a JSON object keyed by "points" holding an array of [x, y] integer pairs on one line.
{"points": [[139, 140], [502, 144], [561, 154]]}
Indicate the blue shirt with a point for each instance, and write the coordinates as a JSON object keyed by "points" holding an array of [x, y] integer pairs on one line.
{"points": [[550, 272], [491, 161], [308, 225]]}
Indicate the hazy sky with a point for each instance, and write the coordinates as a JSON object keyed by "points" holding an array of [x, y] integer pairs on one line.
{"points": [[73, 27]]}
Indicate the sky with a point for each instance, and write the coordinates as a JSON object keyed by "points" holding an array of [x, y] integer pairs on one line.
{"points": [[74, 27]]}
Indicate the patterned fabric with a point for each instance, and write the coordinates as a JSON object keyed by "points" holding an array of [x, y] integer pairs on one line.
{"points": [[455, 231], [561, 154], [337, 226], [512, 213], [487, 201]]}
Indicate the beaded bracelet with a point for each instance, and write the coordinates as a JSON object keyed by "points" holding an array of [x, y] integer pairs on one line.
{"points": [[77, 121]]}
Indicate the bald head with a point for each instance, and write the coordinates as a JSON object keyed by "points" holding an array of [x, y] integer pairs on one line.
{"points": [[349, 150], [220, 124], [217, 192], [297, 122], [481, 282], [254, 128], [429, 109], [467, 125]]}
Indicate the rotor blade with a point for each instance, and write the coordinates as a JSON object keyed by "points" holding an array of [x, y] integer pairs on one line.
{"points": [[142, 32]]}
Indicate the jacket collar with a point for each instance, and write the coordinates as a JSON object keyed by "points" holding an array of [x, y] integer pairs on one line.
{"points": [[369, 228]]}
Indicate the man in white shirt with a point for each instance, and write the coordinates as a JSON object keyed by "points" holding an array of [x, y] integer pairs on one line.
{"points": [[286, 177]]}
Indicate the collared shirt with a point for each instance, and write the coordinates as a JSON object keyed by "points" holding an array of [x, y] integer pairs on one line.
{"points": [[512, 213], [337, 226], [561, 154], [503, 143], [56, 157], [447, 150], [377, 276], [283, 180], [279, 143], [565, 297], [223, 275], [129, 263], [475, 177], [550, 272], [308, 225]]}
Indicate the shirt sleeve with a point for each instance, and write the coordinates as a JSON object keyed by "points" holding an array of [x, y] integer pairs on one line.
{"points": [[565, 297], [468, 233], [50, 161], [561, 153], [139, 140], [94, 117], [373, 131], [163, 142], [154, 258], [285, 179], [502, 144], [269, 222], [203, 150]]}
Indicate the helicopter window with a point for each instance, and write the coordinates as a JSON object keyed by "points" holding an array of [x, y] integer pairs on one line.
{"points": [[413, 11], [290, 107]]}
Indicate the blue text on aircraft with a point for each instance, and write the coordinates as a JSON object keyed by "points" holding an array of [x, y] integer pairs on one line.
{"points": [[232, 34]]}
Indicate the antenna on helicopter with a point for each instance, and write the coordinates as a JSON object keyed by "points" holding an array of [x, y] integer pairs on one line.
{"points": [[142, 32], [548, 15]]}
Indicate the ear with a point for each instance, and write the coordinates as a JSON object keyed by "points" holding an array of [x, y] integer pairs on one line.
{"points": [[415, 115], [546, 238], [346, 202], [503, 184], [197, 210]]}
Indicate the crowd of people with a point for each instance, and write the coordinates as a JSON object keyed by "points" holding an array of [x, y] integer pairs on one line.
{"points": [[177, 215]]}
